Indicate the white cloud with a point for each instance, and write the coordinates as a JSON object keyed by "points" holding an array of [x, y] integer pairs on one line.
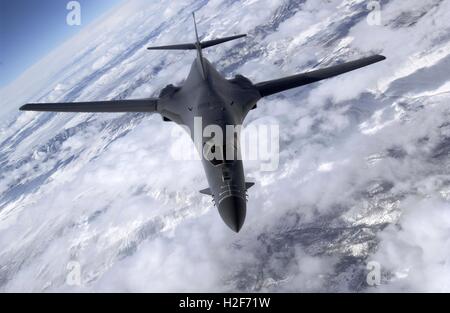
{"points": [[355, 151], [415, 252]]}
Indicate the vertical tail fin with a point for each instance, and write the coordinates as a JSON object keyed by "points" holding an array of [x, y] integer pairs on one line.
{"points": [[198, 46], [195, 27]]}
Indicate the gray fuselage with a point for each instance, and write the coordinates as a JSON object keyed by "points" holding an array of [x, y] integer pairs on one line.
{"points": [[220, 102]]}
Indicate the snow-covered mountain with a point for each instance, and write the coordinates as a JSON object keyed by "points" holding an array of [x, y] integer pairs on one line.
{"points": [[364, 172]]}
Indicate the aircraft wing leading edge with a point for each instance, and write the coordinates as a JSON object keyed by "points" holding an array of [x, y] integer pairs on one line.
{"points": [[138, 105], [271, 87]]}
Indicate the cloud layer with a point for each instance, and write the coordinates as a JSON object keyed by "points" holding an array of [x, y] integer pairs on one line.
{"points": [[364, 158]]}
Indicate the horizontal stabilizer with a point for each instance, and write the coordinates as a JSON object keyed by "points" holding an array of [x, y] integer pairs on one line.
{"points": [[183, 46], [210, 43], [192, 46], [206, 191], [271, 87], [142, 105], [248, 185]]}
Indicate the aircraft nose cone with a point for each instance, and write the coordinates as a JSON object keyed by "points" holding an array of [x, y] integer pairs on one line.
{"points": [[232, 210]]}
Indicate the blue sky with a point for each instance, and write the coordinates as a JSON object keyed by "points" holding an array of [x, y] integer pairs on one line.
{"points": [[29, 29]]}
